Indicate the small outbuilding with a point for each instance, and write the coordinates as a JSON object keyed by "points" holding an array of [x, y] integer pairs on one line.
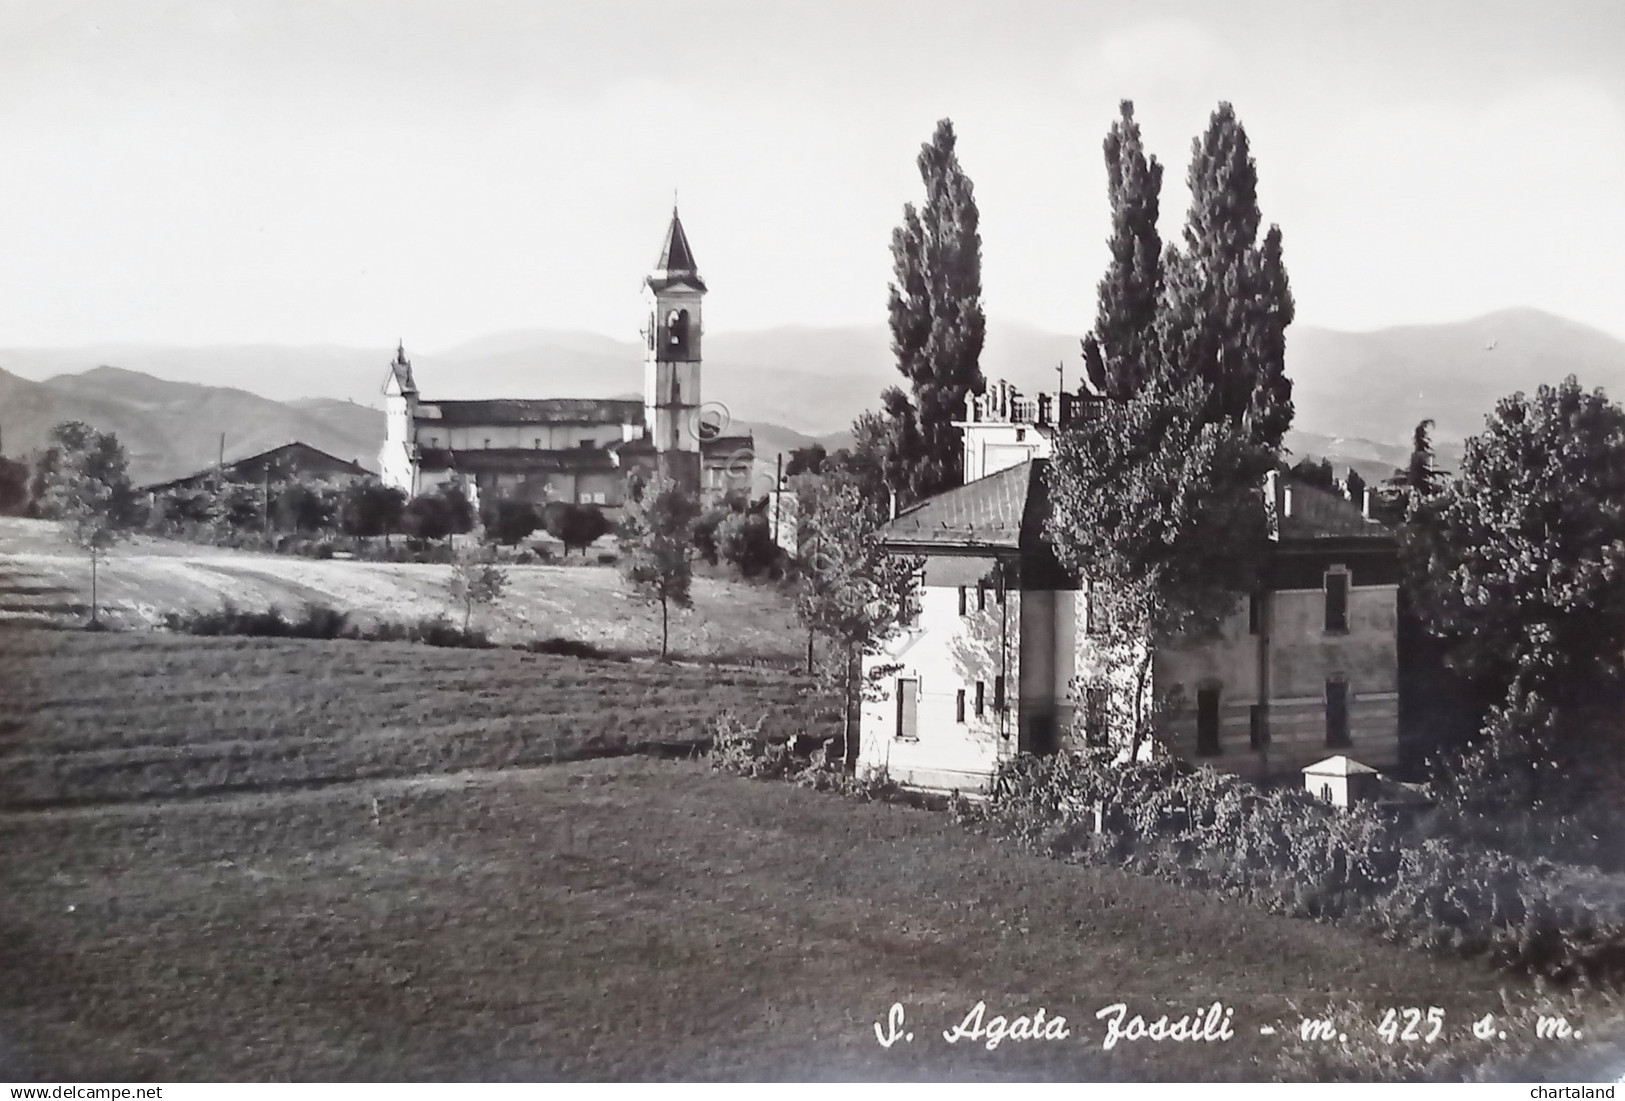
{"points": [[1341, 780]]}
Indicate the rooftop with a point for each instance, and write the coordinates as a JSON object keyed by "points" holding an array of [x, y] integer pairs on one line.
{"points": [[532, 411]]}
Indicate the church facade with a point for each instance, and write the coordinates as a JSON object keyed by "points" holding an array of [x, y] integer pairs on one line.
{"points": [[579, 451]]}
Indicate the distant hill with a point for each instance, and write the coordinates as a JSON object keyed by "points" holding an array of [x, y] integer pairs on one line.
{"points": [[169, 429], [1358, 395]]}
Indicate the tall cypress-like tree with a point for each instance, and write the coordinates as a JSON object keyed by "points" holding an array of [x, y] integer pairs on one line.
{"points": [[1226, 300], [1120, 353], [937, 325]]}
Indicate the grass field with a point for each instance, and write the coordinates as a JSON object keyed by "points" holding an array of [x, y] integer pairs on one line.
{"points": [[88, 717], [281, 859], [42, 581]]}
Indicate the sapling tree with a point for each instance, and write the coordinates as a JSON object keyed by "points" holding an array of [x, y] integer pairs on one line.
{"points": [[476, 580], [83, 485], [657, 547], [850, 589]]}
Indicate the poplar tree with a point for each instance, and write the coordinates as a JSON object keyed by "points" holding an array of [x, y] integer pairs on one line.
{"points": [[1226, 301], [1120, 353], [937, 324]]}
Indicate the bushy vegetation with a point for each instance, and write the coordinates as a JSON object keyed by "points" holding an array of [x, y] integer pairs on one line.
{"points": [[321, 621], [1285, 851], [743, 750]]}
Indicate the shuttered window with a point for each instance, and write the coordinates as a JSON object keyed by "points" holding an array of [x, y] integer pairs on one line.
{"points": [[1207, 722], [908, 708], [1337, 602], [1337, 714]]}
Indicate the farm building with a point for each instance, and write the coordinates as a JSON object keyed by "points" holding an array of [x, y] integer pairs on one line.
{"points": [[288, 462], [572, 449], [1006, 655]]}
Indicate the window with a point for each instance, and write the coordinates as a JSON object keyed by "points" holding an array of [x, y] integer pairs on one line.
{"points": [[961, 600], [998, 693], [981, 699], [1337, 601], [1337, 714], [487, 441], [1094, 715], [587, 443], [908, 705], [1207, 722], [959, 706], [538, 443], [981, 597], [1255, 613], [1258, 734], [1091, 614], [1021, 435]]}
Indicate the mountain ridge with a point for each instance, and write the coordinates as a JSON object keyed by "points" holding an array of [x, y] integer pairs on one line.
{"points": [[1358, 395]]}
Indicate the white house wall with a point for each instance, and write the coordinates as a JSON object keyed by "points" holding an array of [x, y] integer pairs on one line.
{"points": [[948, 653]]}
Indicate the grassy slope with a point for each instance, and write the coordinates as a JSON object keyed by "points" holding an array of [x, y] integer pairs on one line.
{"points": [[41, 580], [88, 717], [607, 919], [625, 919]]}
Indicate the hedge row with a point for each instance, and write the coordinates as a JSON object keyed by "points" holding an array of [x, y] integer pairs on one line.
{"points": [[321, 621], [1286, 851]]}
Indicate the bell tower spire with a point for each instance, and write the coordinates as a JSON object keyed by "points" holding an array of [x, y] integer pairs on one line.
{"points": [[671, 377]]}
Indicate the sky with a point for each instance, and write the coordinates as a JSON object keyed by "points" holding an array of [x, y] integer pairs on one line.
{"points": [[357, 172]]}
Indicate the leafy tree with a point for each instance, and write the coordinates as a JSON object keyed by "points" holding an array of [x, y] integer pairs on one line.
{"points": [[708, 526], [657, 547], [1315, 472], [95, 455], [1121, 352], [507, 521], [1419, 479], [850, 589], [1157, 507], [575, 525], [83, 483], [13, 487], [802, 459], [438, 515], [426, 517], [1226, 301], [937, 324], [1521, 559], [475, 580], [370, 508], [299, 506], [745, 541], [1355, 485], [460, 515]]}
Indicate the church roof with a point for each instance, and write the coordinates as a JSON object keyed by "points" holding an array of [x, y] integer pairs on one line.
{"points": [[532, 411], [400, 372], [676, 264]]}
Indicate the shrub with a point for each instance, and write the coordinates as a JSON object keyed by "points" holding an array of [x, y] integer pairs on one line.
{"points": [[1286, 851], [568, 647], [744, 751]]}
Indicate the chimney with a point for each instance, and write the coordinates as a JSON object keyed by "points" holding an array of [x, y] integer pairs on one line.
{"points": [[1286, 501], [1365, 501]]}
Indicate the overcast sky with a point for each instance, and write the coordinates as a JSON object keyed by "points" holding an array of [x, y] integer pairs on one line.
{"points": [[356, 171]]}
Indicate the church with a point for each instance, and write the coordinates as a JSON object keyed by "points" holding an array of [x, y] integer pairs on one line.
{"points": [[574, 450]]}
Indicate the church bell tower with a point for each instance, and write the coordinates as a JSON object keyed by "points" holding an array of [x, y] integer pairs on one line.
{"points": [[671, 374]]}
